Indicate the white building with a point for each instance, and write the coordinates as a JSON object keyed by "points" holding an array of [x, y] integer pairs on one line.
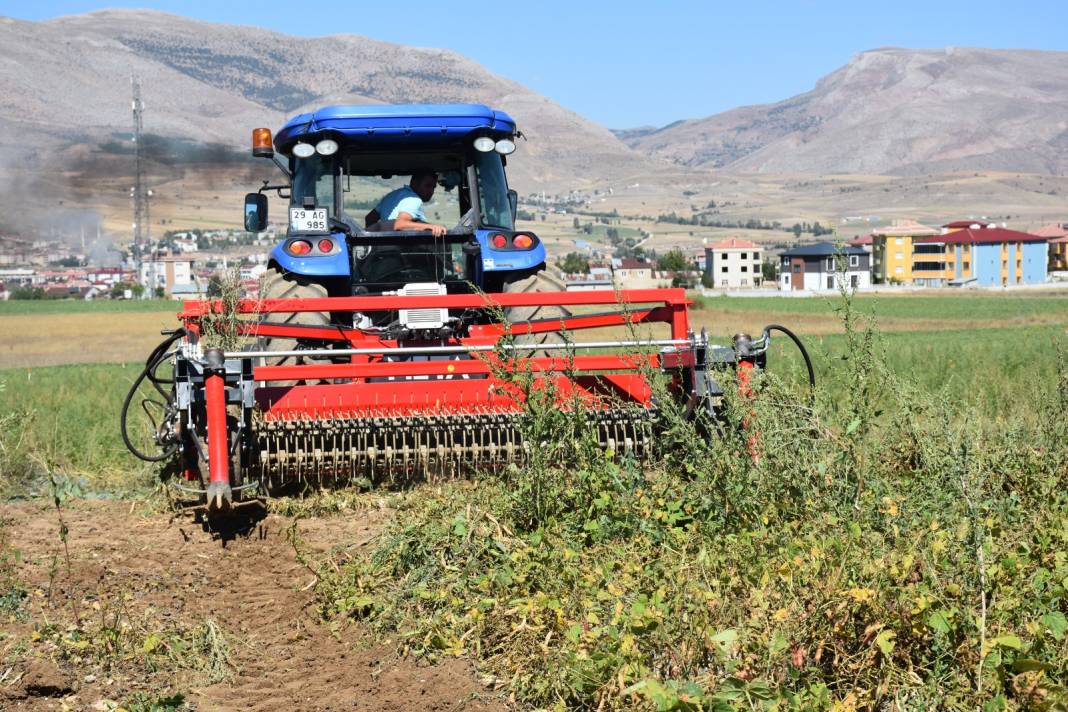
{"points": [[21, 276], [253, 271], [816, 268], [734, 263], [168, 273], [186, 244]]}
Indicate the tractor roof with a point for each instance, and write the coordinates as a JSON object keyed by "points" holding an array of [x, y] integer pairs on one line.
{"points": [[396, 125]]}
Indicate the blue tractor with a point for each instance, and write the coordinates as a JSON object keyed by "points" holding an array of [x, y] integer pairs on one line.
{"points": [[340, 160]]}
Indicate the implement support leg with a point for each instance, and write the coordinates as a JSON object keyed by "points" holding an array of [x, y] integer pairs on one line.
{"points": [[220, 495]]}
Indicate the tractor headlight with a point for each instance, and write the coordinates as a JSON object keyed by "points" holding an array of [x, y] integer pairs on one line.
{"points": [[303, 150], [326, 147], [484, 144], [504, 146]]}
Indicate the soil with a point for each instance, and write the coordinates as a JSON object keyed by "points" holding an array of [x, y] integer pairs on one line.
{"points": [[172, 570]]}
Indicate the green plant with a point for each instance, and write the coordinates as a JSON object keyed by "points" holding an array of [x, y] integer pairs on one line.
{"points": [[12, 591], [144, 702], [901, 552]]}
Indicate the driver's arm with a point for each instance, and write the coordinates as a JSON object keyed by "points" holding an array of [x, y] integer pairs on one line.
{"points": [[404, 221]]}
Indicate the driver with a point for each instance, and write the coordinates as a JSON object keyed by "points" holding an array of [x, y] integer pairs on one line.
{"points": [[403, 207]]}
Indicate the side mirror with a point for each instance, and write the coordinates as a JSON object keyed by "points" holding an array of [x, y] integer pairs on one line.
{"points": [[513, 203], [255, 212]]}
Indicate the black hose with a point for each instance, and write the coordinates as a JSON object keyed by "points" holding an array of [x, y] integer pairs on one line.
{"points": [[153, 362], [800, 346]]}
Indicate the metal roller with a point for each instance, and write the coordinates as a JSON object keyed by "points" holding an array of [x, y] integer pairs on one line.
{"points": [[407, 446]]}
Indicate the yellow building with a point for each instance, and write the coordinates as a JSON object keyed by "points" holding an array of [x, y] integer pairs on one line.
{"points": [[892, 252], [1057, 234]]}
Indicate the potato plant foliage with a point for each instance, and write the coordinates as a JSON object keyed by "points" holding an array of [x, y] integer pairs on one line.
{"points": [[873, 545]]}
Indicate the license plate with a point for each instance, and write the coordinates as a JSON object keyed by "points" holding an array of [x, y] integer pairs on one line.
{"points": [[303, 220]]}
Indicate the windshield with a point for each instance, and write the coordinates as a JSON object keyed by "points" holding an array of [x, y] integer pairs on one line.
{"points": [[313, 177], [367, 177], [493, 191]]}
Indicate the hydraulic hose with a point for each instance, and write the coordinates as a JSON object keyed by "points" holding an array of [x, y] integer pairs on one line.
{"points": [[801, 347], [153, 362]]}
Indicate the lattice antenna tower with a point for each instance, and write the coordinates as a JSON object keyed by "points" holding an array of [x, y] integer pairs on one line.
{"points": [[141, 230]]}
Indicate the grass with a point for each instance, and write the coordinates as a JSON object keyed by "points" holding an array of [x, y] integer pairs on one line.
{"points": [[950, 307], [76, 306], [65, 420], [994, 369]]}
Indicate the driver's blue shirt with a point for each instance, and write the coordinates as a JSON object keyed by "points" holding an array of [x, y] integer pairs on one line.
{"points": [[401, 200]]}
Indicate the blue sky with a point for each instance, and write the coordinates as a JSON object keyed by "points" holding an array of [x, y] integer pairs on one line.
{"points": [[634, 62]]}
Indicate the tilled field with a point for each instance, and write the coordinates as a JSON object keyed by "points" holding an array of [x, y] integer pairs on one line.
{"points": [[139, 581]]}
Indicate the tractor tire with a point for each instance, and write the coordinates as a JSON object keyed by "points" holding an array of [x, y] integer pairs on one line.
{"points": [[278, 285], [541, 281]]}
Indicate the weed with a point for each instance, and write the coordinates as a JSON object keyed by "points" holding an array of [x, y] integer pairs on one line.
{"points": [[144, 702], [221, 328], [12, 591], [887, 546]]}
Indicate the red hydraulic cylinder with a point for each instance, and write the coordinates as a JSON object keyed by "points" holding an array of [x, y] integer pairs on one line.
{"points": [[219, 493], [218, 451]]}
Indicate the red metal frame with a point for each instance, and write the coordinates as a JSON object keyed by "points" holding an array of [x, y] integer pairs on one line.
{"points": [[372, 385], [456, 382]]}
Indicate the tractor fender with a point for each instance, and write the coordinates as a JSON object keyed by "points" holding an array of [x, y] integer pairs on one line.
{"points": [[335, 264], [493, 260]]}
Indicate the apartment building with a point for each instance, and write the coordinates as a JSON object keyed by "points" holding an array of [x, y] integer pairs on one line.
{"points": [[892, 251], [816, 268], [980, 253], [172, 274], [1057, 238], [734, 263]]}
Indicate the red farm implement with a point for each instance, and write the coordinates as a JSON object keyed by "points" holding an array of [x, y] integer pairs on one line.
{"points": [[359, 403], [389, 346]]}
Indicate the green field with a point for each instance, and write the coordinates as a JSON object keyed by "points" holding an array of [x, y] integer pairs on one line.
{"points": [[72, 306], [950, 306], [895, 540]]}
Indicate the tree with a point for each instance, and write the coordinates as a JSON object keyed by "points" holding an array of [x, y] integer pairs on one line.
{"points": [[215, 286], [768, 270], [683, 280], [797, 230], [575, 263], [28, 293], [673, 261]]}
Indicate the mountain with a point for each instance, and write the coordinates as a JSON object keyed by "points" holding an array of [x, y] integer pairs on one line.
{"points": [[65, 87], [893, 111]]}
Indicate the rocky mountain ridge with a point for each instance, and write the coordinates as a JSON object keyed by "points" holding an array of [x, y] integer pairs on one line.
{"points": [[893, 111], [67, 80]]}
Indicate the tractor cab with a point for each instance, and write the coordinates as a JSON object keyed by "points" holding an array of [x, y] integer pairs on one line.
{"points": [[342, 160]]}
